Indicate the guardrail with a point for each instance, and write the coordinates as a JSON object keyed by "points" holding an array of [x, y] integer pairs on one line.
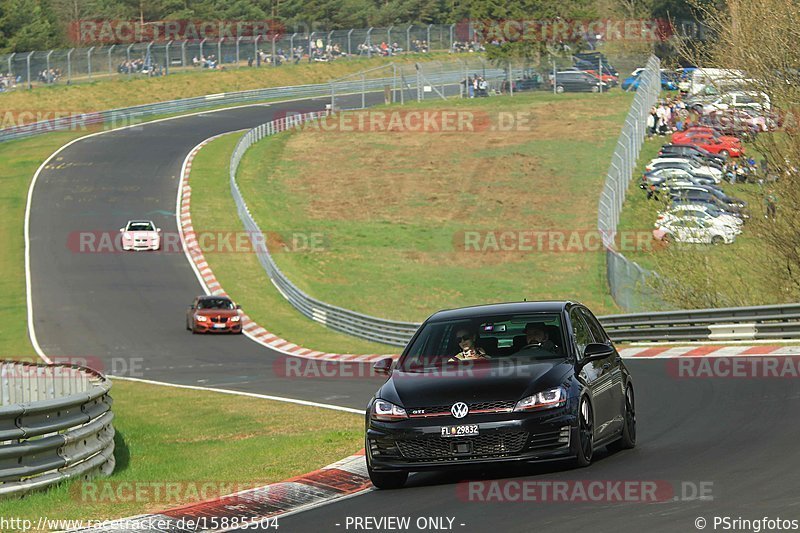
{"points": [[127, 116], [55, 424]]}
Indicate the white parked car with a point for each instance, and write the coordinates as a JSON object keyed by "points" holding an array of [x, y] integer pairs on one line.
{"points": [[689, 165], [140, 235], [739, 100], [694, 230], [686, 211]]}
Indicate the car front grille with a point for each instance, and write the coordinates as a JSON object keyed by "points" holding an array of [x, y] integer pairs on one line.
{"points": [[218, 319], [476, 407], [444, 448]]}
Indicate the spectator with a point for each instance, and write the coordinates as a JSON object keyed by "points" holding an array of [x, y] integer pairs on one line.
{"points": [[772, 204]]}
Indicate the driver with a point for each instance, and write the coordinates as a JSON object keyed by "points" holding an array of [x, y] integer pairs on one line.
{"points": [[536, 337], [469, 350]]}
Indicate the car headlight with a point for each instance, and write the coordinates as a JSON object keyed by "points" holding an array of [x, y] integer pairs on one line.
{"points": [[543, 400], [387, 411], [200, 318], [235, 318]]}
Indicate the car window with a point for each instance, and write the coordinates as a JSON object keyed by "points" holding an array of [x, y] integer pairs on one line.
{"points": [[580, 331], [595, 328], [140, 226]]}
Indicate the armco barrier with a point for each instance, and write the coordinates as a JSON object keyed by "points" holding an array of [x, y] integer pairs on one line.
{"points": [[55, 424], [743, 323]]}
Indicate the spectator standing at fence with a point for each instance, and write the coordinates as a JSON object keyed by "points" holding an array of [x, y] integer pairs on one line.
{"points": [[652, 122]]}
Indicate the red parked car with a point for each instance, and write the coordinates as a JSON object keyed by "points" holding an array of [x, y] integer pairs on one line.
{"points": [[710, 139]]}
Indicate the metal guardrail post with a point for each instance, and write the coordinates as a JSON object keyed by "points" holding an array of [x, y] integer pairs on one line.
{"points": [[202, 55], [349, 43]]}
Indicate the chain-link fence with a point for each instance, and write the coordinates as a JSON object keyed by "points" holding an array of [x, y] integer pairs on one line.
{"points": [[627, 281], [28, 69]]}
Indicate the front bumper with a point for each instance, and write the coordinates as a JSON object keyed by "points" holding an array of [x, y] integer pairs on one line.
{"points": [[208, 327], [417, 444]]}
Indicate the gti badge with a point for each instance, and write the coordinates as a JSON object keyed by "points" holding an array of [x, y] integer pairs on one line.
{"points": [[459, 409]]}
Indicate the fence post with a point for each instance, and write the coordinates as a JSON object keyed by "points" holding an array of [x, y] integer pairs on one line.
{"points": [[219, 50], [89, 61], [28, 61], [202, 56], [291, 47], [48, 61], [183, 53], [69, 66], [310, 45], [389, 36], [349, 43], [255, 50], [166, 58], [150, 55], [363, 91], [428, 40], [274, 55], [238, 40], [10, 58], [128, 54], [452, 36], [369, 42], [408, 37], [110, 66]]}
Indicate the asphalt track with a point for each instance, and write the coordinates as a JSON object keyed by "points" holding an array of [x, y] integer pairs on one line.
{"points": [[741, 435]]}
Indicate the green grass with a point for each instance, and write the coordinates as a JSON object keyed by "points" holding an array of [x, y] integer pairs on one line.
{"points": [[123, 91], [392, 208], [167, 435], [240, 274]]}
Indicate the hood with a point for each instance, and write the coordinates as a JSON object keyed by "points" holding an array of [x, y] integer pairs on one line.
{"points": [[474, 383], [217, 312]]}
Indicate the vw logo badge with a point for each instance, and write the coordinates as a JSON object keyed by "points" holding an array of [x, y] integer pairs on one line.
{"points": [[459, 409]]}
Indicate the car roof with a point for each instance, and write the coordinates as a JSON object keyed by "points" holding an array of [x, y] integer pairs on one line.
{"points": [[213, 297], [140, 222], [550, 306]]}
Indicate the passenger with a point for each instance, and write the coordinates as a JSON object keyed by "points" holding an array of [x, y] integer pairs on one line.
{"points": [[469, 350], [536, 337]]}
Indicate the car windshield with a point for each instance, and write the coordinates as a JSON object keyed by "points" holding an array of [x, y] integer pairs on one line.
{"points": [[507, 340], [140, 226], [215, 303]]}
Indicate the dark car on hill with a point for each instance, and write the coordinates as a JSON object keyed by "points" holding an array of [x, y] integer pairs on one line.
{"points": [[515, 382]]}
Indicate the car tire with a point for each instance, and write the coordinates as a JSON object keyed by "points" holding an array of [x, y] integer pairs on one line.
{"points": [[559, 89], [716, 240], [628, 438], [595, 89], [583, 441], [387, 480]]}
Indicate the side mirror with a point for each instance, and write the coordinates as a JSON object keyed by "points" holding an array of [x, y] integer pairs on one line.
{"points": [[122, 230], [158, 230], [596, 351], [383, 366]]}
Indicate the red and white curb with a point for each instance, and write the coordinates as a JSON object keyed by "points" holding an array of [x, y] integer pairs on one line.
{"points": [[256, 506], [666, 352], [211, 285]]}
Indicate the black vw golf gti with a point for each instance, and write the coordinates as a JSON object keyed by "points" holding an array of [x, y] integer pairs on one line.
{"points": [[527, 381]]}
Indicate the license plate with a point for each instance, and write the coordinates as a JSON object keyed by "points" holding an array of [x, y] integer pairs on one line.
{"points": [[469, 430], [219, 326]]}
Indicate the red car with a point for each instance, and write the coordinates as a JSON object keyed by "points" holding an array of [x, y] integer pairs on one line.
{"points": [[685, 136], [717, 145], [606, 78], [214, 314]]}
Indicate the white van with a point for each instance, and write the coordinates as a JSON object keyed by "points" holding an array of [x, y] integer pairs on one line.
{"points": [[708, 80], [738, 100]]}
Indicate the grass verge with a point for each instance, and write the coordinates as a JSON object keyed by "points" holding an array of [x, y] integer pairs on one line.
{"points": [[167, 435], [394, 211], [240, 274], [124, 91]]}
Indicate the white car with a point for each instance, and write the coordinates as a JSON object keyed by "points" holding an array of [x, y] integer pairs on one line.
{"points": [[140, 235], [696, 168], [739, 100], [693, 230], [686, 211]]}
